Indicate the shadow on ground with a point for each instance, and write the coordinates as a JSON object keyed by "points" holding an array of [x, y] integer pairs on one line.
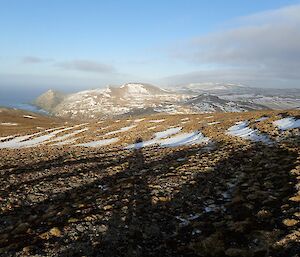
{"points": [[186, 202]]}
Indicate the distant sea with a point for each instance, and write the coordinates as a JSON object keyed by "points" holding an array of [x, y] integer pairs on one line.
{"points": [[19, 98], [22, 106]]}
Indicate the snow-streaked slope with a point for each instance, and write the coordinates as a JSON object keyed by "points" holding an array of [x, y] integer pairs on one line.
{"points": [[113, 101], [66, 138], [171, 138], [33, 140]]}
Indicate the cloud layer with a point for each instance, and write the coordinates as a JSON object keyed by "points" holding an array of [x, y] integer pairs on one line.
{"points": [[33, 60], [87, 66], [266, 44]]}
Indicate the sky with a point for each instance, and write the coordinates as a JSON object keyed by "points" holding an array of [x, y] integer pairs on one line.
{"points": [[77, 44]]}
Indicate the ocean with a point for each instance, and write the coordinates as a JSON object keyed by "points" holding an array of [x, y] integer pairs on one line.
{"points": [[19, 98]]}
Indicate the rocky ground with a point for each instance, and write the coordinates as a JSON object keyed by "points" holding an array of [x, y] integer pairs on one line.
{"points": [[231, 197]]}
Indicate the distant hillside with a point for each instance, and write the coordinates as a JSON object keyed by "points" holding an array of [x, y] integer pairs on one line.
{"points": [[49, 100], [140, 98], [111, 101]]}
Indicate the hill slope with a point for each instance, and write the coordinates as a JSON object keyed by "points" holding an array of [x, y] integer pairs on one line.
{"points": [[138, 98], [221, 184], [49, 100]]}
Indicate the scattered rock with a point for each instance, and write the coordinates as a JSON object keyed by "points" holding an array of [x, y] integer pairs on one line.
{"points": [[55, 232], [290, 222]]}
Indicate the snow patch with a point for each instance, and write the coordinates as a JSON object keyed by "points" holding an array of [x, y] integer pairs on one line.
{"points": [[66, 136], [184, 139], [8, 124], [213, 123], [241, 129], [262, 119], [153, 127], [25, 141], [167, 133], [287, 123], [163, 139], [139, 120], [98, 143], [120, 130], [29, 117]]}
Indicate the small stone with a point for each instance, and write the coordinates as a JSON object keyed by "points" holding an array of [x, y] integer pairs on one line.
{"points": [[285, 207], [44, 236], [26, 250], [163, 199], [297, 214], [290, 222], [55, 232], [80, 228], [102, 228], [107, 207], [295, 198], [155, 186], [154, 200], [209, 169], [264, 214], [89, 218], [72, 220]]}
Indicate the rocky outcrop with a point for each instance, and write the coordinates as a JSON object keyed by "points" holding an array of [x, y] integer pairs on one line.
{"points": [[49, 100]]}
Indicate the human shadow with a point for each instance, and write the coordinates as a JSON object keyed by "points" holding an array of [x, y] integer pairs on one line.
{"points": [[187, 202], [59, 208], [235, 209]]}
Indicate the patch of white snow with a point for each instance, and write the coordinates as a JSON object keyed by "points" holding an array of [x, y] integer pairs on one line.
{"points": [[241, 129], [287, 123], [98, 143]]}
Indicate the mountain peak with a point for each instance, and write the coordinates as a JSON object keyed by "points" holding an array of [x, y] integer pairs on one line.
{"points": [[141, 89], [49, 99]]}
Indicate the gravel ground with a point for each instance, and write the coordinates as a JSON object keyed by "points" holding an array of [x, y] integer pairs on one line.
{"points": [[227, 198]]}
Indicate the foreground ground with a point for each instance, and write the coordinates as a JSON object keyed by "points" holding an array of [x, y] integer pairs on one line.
{"points": [[225, 197]]}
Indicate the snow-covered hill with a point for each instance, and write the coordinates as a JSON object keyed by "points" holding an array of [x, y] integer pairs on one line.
{"points": [[114, 101], [139, 98], [211, 103], [49, 99]]}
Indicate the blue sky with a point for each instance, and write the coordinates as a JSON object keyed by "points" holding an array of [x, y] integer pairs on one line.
{"points": [[77, 44]]}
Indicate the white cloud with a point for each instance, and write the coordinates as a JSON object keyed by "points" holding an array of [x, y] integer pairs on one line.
{"points": [[264, 46], [34, 59], [87, 66]]}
